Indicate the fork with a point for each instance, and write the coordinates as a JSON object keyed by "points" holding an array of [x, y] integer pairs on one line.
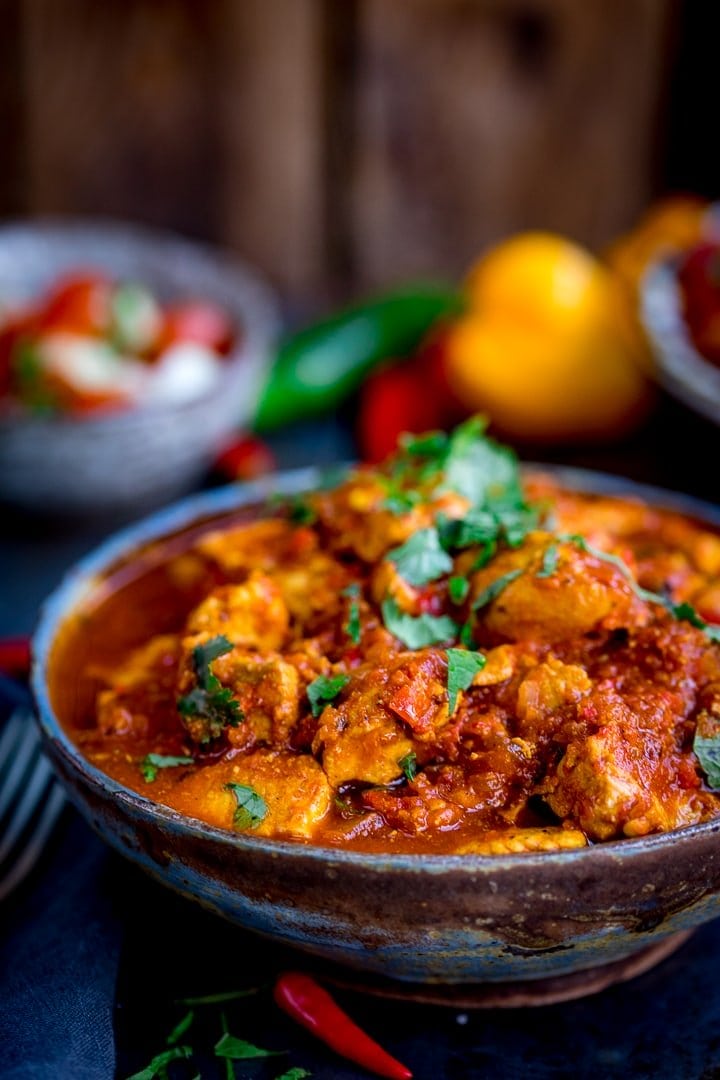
{"points": [[30, 797]]}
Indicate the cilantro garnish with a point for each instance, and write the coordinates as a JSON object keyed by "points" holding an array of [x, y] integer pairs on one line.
{"points": [[477, 527], [301, 512], [324, 689], [549, 561], [417, 631], [707, 751], [210, 701], [479, 468], [296, 1073], [251, 808], [463, 666], [421, 558], [160, 1062], [467, 635], [352, 627], [400, 502], [431, 445], [228, 1046], [408, 764], [494, 589], [152, 762], [458, 588], [180, 1028]]}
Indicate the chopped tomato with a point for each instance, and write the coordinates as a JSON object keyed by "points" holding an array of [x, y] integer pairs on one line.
{"points": [[198, 321], [246, 459], [79, 304]]}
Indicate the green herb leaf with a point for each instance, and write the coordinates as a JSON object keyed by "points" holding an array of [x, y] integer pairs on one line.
{"points": [[467, 635], [418, 632], [463, 666], [296, 1073], [204, 654], [352, 627], [408, 764], [458, 588], [549, 561], [152, 762], [325, 689], [218, 999], [431, 445], [515, 522], [707, 751], [251, 807], [180, 1028], [160, 1062], [479, 468], [421, 558], [301, 512], [239, 1050], [401, 502], [477, 527], [494, 589]]}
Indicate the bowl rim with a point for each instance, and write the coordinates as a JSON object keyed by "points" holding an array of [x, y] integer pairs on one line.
{"points": [[84, 574], [256, 307]]}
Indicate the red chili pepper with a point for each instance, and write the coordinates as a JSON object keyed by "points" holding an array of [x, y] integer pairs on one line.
{"points": [[15, 656], [246, 459], [305, 1001]]}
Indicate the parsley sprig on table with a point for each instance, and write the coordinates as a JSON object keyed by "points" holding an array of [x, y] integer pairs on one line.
{"points": [[209, 701]]}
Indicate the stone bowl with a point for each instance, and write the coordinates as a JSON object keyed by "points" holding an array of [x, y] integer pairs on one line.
{"points": [[138, 458], [512, 929]]}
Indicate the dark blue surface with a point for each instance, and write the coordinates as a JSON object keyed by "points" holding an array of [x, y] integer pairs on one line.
{"points": [[88, 943]]}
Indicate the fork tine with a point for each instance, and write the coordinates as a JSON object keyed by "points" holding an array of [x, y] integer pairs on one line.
{"points": [[23, 759], [24, 809], [32, 852], [11, 734]]}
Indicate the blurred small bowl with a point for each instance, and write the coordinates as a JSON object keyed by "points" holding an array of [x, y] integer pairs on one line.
{"points": [[139, 457], [681, 369]]}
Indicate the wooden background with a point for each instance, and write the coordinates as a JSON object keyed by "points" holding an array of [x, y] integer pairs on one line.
{"points": [[343, 144]]}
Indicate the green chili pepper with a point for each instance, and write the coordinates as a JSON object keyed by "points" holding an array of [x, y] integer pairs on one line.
{"points": [[319, 367]]}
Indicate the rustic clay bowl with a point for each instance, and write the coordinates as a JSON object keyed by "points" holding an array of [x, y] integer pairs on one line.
{"points": [[501, 929]]}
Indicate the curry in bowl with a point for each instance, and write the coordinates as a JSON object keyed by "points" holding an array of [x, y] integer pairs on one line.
{"points": [[436, 655]]}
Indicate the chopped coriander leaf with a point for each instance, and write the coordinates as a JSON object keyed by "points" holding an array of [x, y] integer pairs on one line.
{"points": [[479, 468], [296, 1073], [707, 751], [401, 502], [494, 589], [218, 999], [467, 635], [204, 654], [484, 555], [549, 562], [463, 666], [159, 1063], [515, 522], [251, 808], [421, 558], [152, 762], [432, 445], [458, 588], [689, 614], [417, 632], [408, 764], [180, 1028], [228, 1046], [352, 627], [216, 706], [325, 689], [301, 513], [477, 527]]}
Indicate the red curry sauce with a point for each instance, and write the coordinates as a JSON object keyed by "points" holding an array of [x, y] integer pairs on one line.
{"points": [[427, 658]]}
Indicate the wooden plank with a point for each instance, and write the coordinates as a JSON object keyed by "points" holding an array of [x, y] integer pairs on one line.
{"points": [[272, 192], [480, 117], [121, 109]]}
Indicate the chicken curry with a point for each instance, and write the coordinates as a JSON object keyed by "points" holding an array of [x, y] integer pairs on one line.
{"points": [[436, 655]]}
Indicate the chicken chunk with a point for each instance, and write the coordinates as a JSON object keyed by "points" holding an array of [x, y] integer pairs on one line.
{"points": [[253, 615], [136, 703], [545, 691], [294, 793], [256, 545], [582, 593], [267, 689]]}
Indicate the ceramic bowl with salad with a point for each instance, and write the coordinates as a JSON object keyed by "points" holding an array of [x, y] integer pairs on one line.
{"points": [[128, 357]]}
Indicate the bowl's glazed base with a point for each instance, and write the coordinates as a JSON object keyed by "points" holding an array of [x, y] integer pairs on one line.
{"points": [[516, 994]]}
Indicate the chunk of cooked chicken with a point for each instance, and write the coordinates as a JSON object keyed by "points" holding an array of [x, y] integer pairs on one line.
{"points": [[136, 703], [293, 788], [582, 593], [253, 615], [267, 688], [256, 545], [545, 690]]}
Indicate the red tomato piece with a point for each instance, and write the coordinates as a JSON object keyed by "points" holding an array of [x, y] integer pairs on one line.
{"points": [[246, 459], [198, 321], [79, 304]]}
